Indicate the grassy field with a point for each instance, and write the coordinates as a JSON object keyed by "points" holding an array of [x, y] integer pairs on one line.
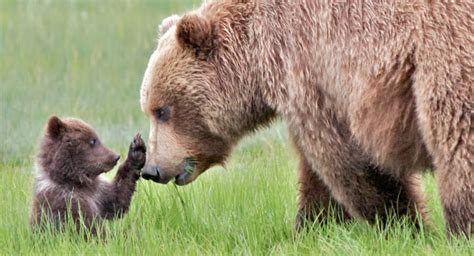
{"points": [[86, 59]]}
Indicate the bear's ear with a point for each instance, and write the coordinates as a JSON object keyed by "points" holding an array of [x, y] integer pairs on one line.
{"points": [[55, 127], [195, 32], [167, 23]]}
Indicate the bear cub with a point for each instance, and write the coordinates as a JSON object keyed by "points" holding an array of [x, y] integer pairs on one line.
{"points": [[67, 185]]}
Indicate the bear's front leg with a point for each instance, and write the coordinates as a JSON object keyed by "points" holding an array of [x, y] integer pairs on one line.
{"points": [[446, 120], [363, 188], [315, 201], [117, 199]]}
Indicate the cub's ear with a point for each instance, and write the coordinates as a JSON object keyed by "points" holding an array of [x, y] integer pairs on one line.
{"points": [[195, 32], [167, 23], [55, 127]]}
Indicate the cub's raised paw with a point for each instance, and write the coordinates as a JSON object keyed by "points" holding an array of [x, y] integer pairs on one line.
{"points": [[137, 152]]}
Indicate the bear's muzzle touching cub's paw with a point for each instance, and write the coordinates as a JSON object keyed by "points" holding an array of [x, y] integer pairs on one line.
{"points": [[68, 187]]}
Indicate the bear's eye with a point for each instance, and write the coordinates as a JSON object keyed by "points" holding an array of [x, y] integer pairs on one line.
{"points": [[93, 141], [162, 114]]}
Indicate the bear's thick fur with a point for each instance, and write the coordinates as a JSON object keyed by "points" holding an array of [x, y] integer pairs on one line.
{"points": [[67, 185], [373, 93]]}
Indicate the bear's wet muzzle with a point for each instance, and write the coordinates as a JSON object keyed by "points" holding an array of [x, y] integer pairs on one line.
{"points": [[153, 173]]}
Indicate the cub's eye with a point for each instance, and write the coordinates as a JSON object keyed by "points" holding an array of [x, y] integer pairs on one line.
{"points": [[93, 142], [162, 114]]}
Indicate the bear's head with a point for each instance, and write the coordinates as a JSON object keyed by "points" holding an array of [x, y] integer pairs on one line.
{"points": [[199, 95], [72, 153]]}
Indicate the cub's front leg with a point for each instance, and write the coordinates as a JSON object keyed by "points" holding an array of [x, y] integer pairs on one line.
{"points": [[117, 199]]}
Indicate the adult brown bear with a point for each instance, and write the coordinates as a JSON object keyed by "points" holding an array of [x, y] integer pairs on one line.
{"points": [[373, 93]]}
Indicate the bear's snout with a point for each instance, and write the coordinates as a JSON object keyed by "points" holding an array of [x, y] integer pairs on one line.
{"points": [[116, 158], [150, 172]]}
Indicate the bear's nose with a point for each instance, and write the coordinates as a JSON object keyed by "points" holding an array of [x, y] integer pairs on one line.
{"points": [[153, 173], [116, 158]]}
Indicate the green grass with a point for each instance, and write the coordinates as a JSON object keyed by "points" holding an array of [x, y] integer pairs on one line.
{"points": [[86, 59]]}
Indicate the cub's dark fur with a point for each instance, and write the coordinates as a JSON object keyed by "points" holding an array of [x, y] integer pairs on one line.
{"points": [[67, 186]]}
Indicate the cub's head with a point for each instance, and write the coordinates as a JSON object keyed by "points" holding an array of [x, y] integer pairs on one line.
{"points": [[198, 98], [71, 152]]}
